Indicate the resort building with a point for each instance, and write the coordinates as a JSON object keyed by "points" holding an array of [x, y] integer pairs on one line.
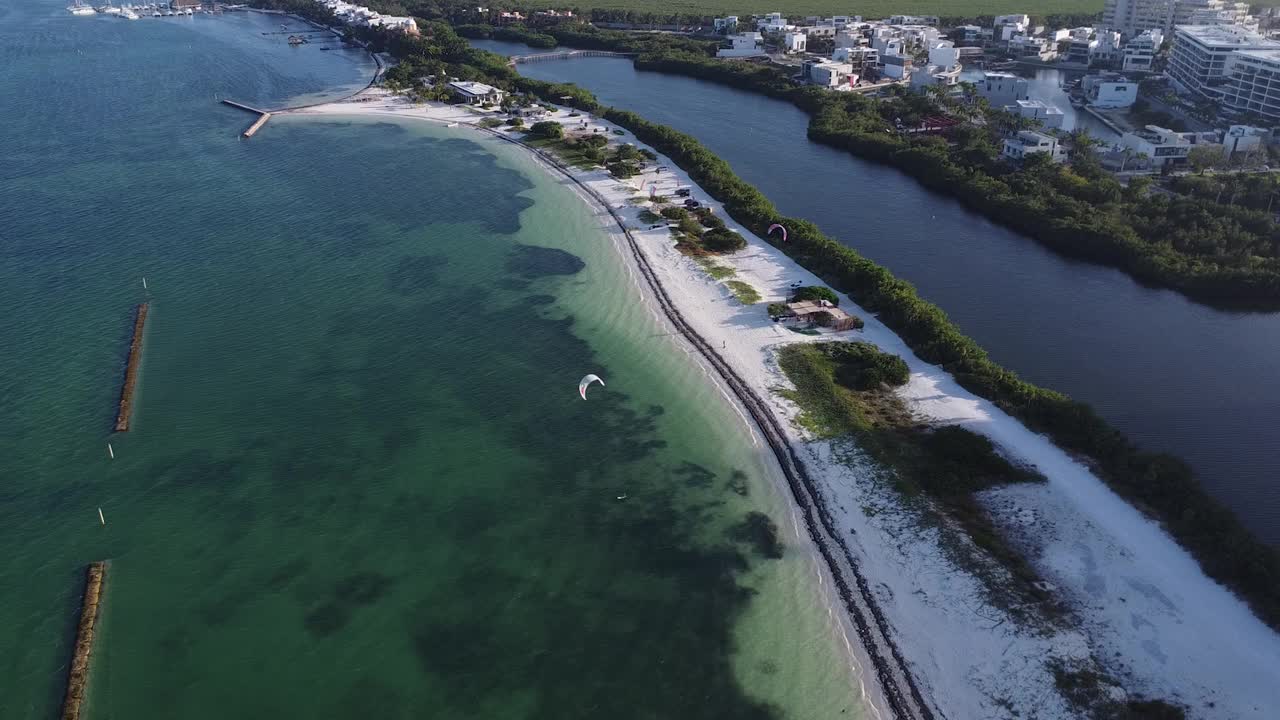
{"points": [[1253, 83], [1140, 52], [1109, 90], [1029, 142], [476, 93], [1001, 88], [1048, 116], [361, 16], [1132, 17], [1201, 56], [743, 45], [1213, 12]]}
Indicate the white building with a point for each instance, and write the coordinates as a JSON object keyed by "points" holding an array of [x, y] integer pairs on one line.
{"points": [[1029, 142], [361, 16], [1161, 145], [1140, 52], [744, 45], [861, 58], [476, 93], [1025, 46], [827, 73], [1109, 90], [726, 24], [913, 20], [1047, 115], [1201, 56], [1002, 89], [1131, 17], [1253, 85], [895, 67], [795, 42], [773, 22], [1213, 12], [1002, 20], [1243, 139]]}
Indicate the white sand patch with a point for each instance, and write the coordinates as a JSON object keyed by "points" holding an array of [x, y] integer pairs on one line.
{"points": [[1145, 608]]}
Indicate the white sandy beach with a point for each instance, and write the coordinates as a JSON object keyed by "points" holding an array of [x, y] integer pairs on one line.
{"points": [[1143, 608]]}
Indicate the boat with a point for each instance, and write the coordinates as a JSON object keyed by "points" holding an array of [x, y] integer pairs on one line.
{"points": [[452, 124], [81, 9], [188, 12], [128, 14]]}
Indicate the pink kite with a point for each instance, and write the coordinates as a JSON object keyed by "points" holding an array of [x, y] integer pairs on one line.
{"points": [[776, 226]]}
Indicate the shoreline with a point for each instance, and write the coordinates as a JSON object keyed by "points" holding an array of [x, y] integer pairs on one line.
{"points": [[1157, 622]]}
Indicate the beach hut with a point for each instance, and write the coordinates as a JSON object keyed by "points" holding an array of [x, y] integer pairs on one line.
{"points": [[821, 313]]}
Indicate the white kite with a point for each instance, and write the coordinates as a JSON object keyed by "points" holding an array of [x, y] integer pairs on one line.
{"points": [[582, 386]]}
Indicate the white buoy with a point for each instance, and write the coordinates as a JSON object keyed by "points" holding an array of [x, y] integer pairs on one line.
{"points": [[111, 452], [101, 519]]}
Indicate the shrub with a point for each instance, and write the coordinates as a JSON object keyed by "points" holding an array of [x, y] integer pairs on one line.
{"points": [[690, 227], [862, 366], [723, 240], [516, 122], [674, 213], [708, 218], [548, 129], [777, 310], [621, 170], [815, 293], [596, 141]]}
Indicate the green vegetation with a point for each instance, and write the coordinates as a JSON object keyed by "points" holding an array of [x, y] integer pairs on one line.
{"points": [[745, 294], [548, 129], [569, 150], [1159, 484], [777, 310], [722, 240], [674, 213], [946, 465], [649, 217], [1088, 692], [815, 293], [717, 272]]}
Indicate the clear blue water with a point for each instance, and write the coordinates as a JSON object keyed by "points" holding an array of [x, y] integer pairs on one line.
{"points": [[359, 481], [1176, 376]]}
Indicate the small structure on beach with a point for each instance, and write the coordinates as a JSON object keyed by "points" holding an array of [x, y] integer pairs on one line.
{"points": [[821, 313], [475, 93]]}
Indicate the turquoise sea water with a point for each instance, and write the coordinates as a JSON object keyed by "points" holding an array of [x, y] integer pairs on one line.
{"points": [[359, 482]]}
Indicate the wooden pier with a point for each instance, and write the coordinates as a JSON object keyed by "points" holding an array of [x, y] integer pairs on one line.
{"points": [[131, 370], [263, 117], [78, 676]]}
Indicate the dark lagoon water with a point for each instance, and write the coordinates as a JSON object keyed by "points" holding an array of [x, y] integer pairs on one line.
{"points": [[359, 482], [1201, 383]]}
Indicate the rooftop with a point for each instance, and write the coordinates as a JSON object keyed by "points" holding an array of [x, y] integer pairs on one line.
{"points": [[1225, 36], [472, 88]]}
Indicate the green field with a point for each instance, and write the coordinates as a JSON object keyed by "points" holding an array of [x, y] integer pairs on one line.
{"points": [[873, 9]]}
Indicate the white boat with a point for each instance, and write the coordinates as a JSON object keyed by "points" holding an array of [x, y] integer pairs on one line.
{"points": [[188, 12], [155, 13], [81, 9], [128, 14], [109, 10]]}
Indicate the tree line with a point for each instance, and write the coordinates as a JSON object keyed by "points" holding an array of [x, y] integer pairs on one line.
{"points": [[1159, 484]]}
